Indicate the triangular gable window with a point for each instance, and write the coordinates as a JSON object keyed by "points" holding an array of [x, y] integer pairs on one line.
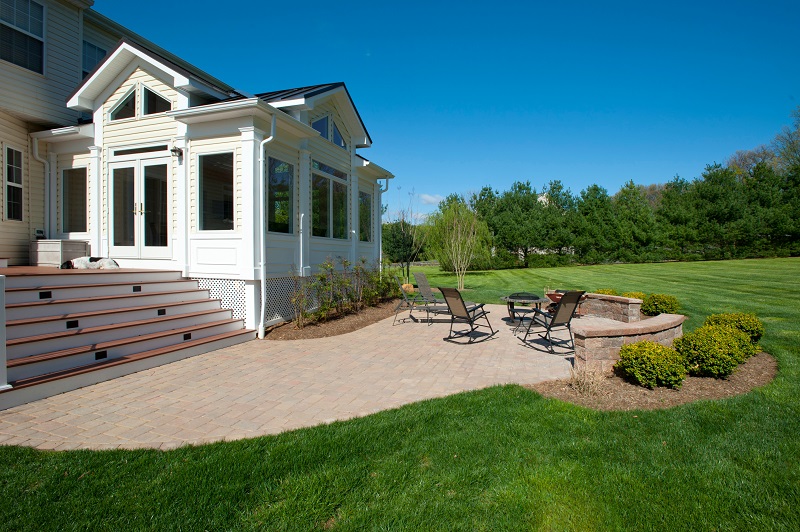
{"points": [[337, 137], [126, 109], [155, 103]]}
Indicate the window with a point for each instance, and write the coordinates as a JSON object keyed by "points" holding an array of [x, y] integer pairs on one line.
{"points": [[337, 138], [154, 103], [328, 202], [216, 192], [13, 184], [126, 109], [73, 200], [328, 130], [22, 34], [280, 197], [321, 125], [365, 216], [320, 201], [91, 56]]}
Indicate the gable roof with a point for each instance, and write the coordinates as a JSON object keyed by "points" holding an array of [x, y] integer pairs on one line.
{"points": [[304, 98], [190, 79]]}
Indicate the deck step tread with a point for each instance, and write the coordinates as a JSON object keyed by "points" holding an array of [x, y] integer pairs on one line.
{"points": [[111, 327], [101, 346], [56, 375], [95, 285], [78, 315], [105, 298]]}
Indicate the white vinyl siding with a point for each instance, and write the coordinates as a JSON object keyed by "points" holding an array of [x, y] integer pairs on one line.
{"points": [[16, 236], [40, 98]]}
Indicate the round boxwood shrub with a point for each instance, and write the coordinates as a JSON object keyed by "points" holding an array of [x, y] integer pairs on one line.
{"points": [[606, 291], [651, 364], [655, 304], [714, 350], [635, 295], [747, 323]]}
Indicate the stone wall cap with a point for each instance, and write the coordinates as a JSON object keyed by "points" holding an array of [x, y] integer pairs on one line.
{"points": [[648, 326], [616, 299]]}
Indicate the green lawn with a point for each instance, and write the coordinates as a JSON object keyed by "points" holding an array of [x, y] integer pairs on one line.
{"points": [[497, 459]]}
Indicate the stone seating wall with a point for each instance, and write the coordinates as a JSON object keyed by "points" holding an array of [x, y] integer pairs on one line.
{"points": [[597, 344]]}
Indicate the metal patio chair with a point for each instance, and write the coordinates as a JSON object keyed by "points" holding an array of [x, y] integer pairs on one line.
{"points": [[407, 302], [459, 311], [559, 318]]}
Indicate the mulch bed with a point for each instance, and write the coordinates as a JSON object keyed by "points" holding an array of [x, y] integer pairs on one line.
{"points": [[612, 392], [334, 327]]}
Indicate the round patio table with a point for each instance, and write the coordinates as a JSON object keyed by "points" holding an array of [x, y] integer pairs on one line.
{"points": [[522, 298]]}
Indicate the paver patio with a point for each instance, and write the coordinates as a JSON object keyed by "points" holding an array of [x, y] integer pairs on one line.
{"points": [[267, 387]]}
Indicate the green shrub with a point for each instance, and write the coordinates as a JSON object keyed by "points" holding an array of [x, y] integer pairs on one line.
{"points": [[747, 323], [635, 295], [651, 364], [714, 350], [655, 304], [606, 291]]}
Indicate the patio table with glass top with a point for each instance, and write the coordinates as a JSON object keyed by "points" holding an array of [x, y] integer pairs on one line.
{"points": [[522, 298]]}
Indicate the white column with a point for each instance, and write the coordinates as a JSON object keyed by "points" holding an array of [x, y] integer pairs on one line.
{"points": [[354, 184], [3, 370], [250, 138], [96, 202], [180, 237]]}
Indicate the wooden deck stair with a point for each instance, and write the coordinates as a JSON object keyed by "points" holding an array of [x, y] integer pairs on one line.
{"points": [[69, 329]]}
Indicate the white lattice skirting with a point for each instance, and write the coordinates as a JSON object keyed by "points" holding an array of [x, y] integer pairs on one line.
{"points": [[230, 292]]}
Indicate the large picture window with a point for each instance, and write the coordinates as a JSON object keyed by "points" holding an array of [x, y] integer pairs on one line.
{"points": [[329, 210], [13, 178], [216, 192], [364, 216], [73, 200], [280, 197], [22, 34], [328, 130]]}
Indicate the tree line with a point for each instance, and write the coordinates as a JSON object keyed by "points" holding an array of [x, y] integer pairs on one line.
{"points": [[747, 207]]}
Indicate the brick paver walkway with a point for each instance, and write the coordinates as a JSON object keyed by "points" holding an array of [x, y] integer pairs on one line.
{"points": [[267, 387]]}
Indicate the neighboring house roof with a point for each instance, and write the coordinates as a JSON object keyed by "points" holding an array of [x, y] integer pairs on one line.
{"points": [[302, 98]]}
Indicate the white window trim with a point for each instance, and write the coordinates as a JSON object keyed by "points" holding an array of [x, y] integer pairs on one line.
{"points": [[295, 193], [72, 234], [333, 179], [43, 38], [6, 183], [132, 89], [141, 101], [331, 124], [199, 198]]}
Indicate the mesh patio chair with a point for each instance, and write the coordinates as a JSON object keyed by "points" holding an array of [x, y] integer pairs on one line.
{"points": [[459, 311], [425, 289], [559, 318]]}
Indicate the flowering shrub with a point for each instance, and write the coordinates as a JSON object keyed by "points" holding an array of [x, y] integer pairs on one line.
{"points": [[635, 295], [606, 291]]}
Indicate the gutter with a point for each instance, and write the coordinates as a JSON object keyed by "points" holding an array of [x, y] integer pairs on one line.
{"points": [[262, 215]]}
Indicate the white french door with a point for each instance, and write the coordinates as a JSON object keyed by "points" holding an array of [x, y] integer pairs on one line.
{"points": [[139, 209]]}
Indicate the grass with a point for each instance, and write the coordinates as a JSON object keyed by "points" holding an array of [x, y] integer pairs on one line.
{"points": [[497, 459]]}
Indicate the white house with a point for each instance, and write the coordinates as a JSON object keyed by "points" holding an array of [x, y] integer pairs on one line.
{"points": [[109, 139]]}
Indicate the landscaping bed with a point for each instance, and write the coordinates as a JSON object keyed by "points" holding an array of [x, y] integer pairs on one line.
{"points": [[333, 327], [614, 393]]}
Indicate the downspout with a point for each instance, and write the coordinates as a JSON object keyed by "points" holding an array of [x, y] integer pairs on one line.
{"points": [[302, 214], [381, 191], [47, 186], [262, 217]]}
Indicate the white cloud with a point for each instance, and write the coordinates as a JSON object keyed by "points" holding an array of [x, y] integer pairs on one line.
{"points": [[430, 199]]}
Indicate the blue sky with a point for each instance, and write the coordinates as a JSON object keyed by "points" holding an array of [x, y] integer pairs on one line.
{"points": [[459, 95]]}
